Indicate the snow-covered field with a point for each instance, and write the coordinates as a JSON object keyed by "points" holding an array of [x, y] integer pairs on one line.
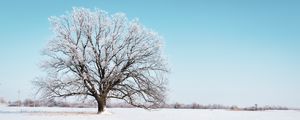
{"points": [[43, 113]]}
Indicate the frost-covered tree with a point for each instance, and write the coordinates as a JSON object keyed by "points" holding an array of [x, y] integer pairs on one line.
{"points": [[103, 56]]}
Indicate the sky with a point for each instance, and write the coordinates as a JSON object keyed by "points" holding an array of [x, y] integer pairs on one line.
{"points": [[233, 52]]}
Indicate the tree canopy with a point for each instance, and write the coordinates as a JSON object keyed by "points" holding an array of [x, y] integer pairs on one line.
{"points": [[104, 56]]}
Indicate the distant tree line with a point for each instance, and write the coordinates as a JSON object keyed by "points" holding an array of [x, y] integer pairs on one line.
{"points": [[93, 104], [218, 106], [45, 103]]}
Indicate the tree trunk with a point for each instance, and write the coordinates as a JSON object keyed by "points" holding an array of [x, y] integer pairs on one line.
{"points": [[101, 101]]}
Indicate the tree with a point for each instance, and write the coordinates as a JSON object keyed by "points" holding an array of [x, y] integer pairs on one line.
{"points": [[103, 56]]}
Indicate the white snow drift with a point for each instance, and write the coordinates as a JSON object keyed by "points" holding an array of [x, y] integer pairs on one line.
{"points": [[42, 113]]}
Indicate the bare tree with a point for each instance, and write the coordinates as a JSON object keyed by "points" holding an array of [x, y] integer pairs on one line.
{"points": [[104, 56]]}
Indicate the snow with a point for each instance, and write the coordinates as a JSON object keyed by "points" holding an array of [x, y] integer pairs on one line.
{"points": [[44, 113], [2, 105]]}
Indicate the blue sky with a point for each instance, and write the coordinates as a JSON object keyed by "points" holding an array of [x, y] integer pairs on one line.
{"points": [[227, 52]]}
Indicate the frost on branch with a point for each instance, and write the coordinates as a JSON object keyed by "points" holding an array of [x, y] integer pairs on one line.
{"points": [[104, 56]]}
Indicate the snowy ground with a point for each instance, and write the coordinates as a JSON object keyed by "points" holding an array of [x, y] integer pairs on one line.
{"points": [[42, 113]]}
